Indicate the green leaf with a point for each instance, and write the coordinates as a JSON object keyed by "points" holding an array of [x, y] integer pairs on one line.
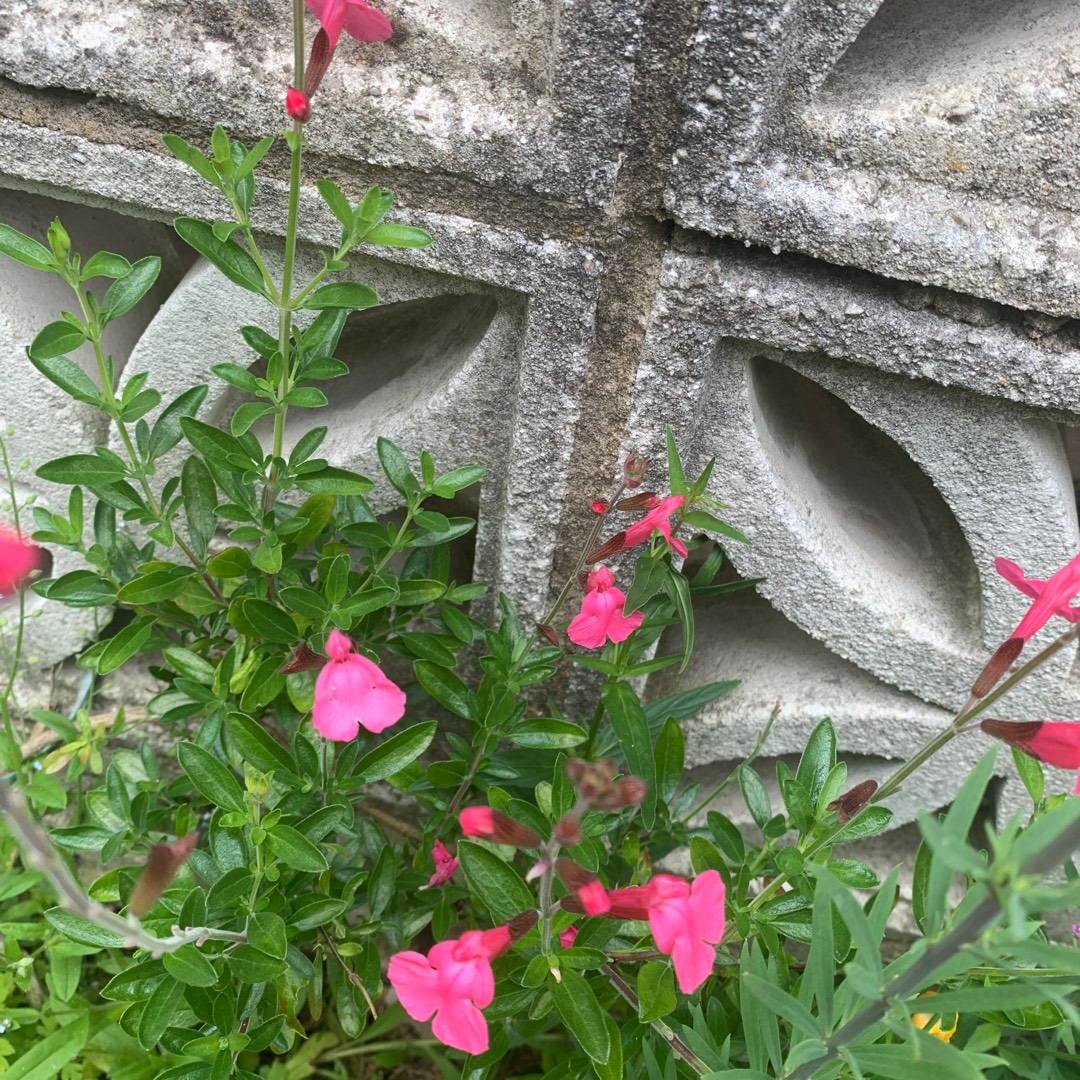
{"points": [[105, 264], [495, 882], [266, 932], [701, 519], [390, 234], [87, 469], [350, 295], [79, 588], [166, 432], [124, 645], [55, 339], [398, 752], [669, 755], [249, 413], [22, 249], [190, 967], [581, 1013], [46, 1058], [159, 1011], [251, 965], [396, 467], [185, 152], [687, 702], [82, 930], [227, 255], [155, 587], [124, 293], [854, 873], [252, 158], [678, 590], [333, 196], [200, 497], [872, 820], [548, 734], [330, 480], [817, 759], [1031, 773], [217, 446], [632, 729], [269, 622], [69, 377], [310, 911], [445, 687], [676, 476], [414, 592], [655, 990], [213, 780], [295, 850], [754, 795], [783, 1004], [252, 742], [649, 577]]}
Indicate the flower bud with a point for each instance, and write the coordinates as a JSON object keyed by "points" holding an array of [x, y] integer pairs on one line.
{"points": [[605, 550], [851, 802], [521, 924], [996, 666], [599, 506], [493, 825], [162, 866], [643, 500], [590, 893], [567, 831], [634, 469], [304, 659], [549, 634], [632, 790], [297, 104]]}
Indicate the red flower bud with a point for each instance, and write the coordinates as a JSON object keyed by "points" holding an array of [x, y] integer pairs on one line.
{"points": [[549, 634], [162, 866], [493, 825], [996, 666], [606, 550], [643, 500], [297, 104], [632, 790], [567, 831], [304, 659], [634, 469], [599, 506]]}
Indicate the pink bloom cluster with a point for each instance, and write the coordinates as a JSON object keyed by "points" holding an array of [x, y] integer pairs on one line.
{"points": [[455, 981], [686, 919], [601, 617], [18, 560], [351, 692], [658, 519]]}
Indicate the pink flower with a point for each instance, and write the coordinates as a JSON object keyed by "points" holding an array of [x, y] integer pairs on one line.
{"points": [[657, 518], [359, 20], [687, 920], [351, 692], [1051, 597], [566, 937], [497, 827], [1057, 742], [18, 560], [454, 982], [601, 617], [445, 865]]}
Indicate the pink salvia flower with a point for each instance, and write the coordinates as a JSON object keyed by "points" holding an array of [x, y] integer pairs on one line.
{"points": [[454, 982], [566, 937], [1055, 742], [601, 617], [1051, 597], [687, 920], [445, 865], [18, 560], [657, 518], [351, 692], [354, 16]]}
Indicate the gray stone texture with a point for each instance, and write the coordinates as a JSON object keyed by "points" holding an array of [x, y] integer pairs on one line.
{"points": [[831, 243]]}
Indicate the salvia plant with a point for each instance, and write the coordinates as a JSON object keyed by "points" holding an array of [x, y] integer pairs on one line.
{"points": [[353, 831]]}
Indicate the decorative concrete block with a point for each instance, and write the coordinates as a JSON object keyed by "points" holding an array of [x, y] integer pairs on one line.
{"points": [[500, 91], [921, 141]]}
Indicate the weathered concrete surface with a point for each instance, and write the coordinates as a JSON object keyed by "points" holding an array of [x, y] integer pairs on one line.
{"points": [[919, 140]]}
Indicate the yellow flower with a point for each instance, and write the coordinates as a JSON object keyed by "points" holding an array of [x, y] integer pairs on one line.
{"points": [[922, 1019]]}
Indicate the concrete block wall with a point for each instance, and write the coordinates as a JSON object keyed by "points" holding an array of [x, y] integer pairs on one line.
{"points": [[832, 243]]}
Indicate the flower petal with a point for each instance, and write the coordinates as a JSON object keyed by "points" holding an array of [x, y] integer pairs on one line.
{"points": [[693, 960], [331, 13], [460, 1024], [335, 720], [365, 23], [707, 906], [416, 983]]}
